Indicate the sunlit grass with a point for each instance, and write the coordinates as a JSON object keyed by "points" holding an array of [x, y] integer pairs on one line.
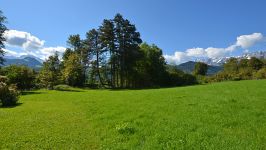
{"points": [[229, 115]]}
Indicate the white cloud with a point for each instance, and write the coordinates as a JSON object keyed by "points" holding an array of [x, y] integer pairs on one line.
{"points": [[13, 53], [243, 41], [246, 41], [177, 58], [216, 52], [23, 39], [29, 45], [196, 52], [10, 53], [48, 51]]}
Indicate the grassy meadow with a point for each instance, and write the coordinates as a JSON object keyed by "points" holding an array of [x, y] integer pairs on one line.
{"points": [[228, 115]]}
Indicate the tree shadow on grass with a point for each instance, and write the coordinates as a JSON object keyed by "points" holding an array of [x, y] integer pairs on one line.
{"points": [[4, 107], [69, 90], [30, 92], [152, 88]]}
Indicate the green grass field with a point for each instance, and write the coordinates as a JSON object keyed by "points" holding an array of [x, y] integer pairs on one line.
{"points": [[229, 115]]}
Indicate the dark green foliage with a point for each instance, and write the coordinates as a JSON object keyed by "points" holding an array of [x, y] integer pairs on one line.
{"points": [[50, 74], [8, 94], [66, 54], [188, 67], [255, 63], [73, 71], [200, 69], [127, 46], [107, 39], [151, 66], [261, 74], [22, 76], [243, 69], [177, 77], [112, 56], [243, 63], [75, 42], [93, 44], [231, 65]]}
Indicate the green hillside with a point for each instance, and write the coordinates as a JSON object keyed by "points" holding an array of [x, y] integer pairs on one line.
{"points": [[229, 115]]}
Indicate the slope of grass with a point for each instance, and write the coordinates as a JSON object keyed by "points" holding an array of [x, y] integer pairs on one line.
{"points": [[229, 115]]}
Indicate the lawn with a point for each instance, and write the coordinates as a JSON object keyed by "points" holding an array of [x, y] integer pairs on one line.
{"points": [[228, 115]]}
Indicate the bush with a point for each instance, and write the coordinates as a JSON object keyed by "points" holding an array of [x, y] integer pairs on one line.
{"points": [[261, 74], [3, 79], [8, 95], [22, 76], [245, 74], [63, 87], [202, 79]]}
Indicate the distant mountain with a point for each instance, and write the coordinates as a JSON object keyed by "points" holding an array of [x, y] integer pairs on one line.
{"points": [[29, 61], [215, 65], [37, 58], [258, 54], [188, 67], [220, 61]]}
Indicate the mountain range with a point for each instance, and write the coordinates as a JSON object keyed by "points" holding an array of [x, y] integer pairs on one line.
{"points": [[188, 67], [220, 61], [26, 60], [215, 65]]}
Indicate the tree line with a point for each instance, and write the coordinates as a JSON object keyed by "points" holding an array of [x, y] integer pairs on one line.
{"points": [[112, 56], [241, 69]]}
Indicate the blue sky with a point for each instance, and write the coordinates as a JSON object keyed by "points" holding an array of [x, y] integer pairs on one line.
{"points": [[173, 25]]}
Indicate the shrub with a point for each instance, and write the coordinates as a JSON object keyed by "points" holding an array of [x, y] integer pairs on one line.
{"points": [[22, 76], [202, 79], [245, 74], [3, 79], [261, 74], [63, 87], [8, 95]]}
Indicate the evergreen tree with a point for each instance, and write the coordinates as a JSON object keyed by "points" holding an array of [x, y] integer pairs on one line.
{"points": [[127, 48], [50, 74], [255, 63], [153, 64], [93, 44], [107, 39], [78, 47], [200, 68], [231, 65], [72, 72]]}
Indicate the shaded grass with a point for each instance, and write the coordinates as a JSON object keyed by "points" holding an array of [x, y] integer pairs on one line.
{"points": [[229, 115]]}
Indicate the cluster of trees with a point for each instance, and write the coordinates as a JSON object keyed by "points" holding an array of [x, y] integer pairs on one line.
{"points": [[8, 93], [21, 76], [200, 69], [242, 69], [112, 56]]}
